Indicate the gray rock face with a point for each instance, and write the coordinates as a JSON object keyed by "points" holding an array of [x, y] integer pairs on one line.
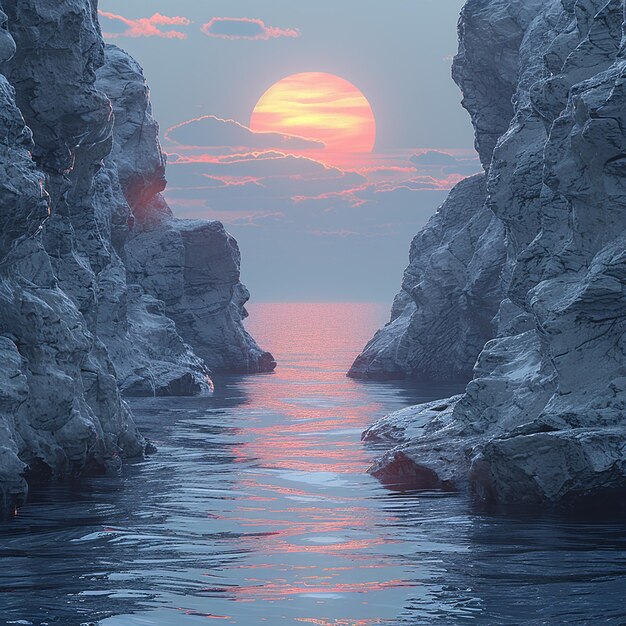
{"points": [[192, 266], [60, 409], [79, 163], [73, 129], [458, 271], [543, 420], [487, 64], [450, 293], [149, 355]]}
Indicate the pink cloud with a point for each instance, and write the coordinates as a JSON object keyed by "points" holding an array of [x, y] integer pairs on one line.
{"points": [[228, 159], [359, 196], [146, 26], [421, 183], [236, 181], [245, 28], [387, 169], [349, 195]]}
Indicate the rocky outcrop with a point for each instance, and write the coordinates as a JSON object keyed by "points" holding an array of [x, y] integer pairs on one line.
{"points": [[72, 122], [457, 273], [149, 355], [60, 409], [543, 420], [80, 174], [454, 284], [191, 266], [487, 64], [450, 294]]}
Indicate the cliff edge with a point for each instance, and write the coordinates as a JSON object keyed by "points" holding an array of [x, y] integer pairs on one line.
{"points": [[544, 418], [89, 311]]}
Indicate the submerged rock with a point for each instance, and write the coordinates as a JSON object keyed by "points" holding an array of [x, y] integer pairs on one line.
{"points": [[544, 418]]}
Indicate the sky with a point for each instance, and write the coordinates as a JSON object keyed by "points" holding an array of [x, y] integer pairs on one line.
{"points": [[268, 113]]}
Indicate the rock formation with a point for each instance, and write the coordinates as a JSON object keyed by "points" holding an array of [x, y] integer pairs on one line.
{"points": [[61, 412], [442, 329], [450, 293], [191, 266], [544, 418], [80, 317]]}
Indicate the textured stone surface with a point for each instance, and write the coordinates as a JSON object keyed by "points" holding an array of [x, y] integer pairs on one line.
{"points": [[71, 118], [450, 293], [544, 419], [192, 266], [79, 155], [149, 355], [60, 409], [487, 64]]}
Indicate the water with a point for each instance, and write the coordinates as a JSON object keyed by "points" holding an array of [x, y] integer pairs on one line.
{"points": [[257, 510]]}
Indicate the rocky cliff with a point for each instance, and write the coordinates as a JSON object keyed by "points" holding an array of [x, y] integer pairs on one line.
{"points": [[192, 267], [61, 409], [457, 274], [80, 322], [450, 294], [544, 418]]}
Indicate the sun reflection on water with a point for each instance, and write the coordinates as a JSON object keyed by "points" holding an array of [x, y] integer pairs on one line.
{"points": [[312, 445], [257, 509]]}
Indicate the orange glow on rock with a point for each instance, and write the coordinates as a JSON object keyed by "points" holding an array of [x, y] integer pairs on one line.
{"points": [[318, 106]]}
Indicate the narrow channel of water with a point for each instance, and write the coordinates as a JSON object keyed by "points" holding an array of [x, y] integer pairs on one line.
{"points": [[257, 509]]}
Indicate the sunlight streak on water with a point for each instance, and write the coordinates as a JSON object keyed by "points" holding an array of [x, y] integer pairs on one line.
{"points": [[257, 509]]}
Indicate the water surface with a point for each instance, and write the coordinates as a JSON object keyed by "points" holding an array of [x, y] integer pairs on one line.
{"points": [[258, 509]]}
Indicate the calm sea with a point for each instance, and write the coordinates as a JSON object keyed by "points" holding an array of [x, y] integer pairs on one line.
{"points": [[257, 509]]}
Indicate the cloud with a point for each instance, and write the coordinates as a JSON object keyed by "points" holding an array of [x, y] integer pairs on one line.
{"points": [[323, 220], [421, 183], [257, 180], [341, 218], [245, 28], [212, 131], [434, 157], [444, 165], [301, 195], [145, 26], [267, 181], [362, 194], [253, 164]]}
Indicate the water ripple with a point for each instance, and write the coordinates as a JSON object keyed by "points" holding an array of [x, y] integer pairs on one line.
{"points": [[257, 509]]}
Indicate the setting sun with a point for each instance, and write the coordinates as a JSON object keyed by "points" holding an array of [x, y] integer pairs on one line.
{"points": [[318, 106]]}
